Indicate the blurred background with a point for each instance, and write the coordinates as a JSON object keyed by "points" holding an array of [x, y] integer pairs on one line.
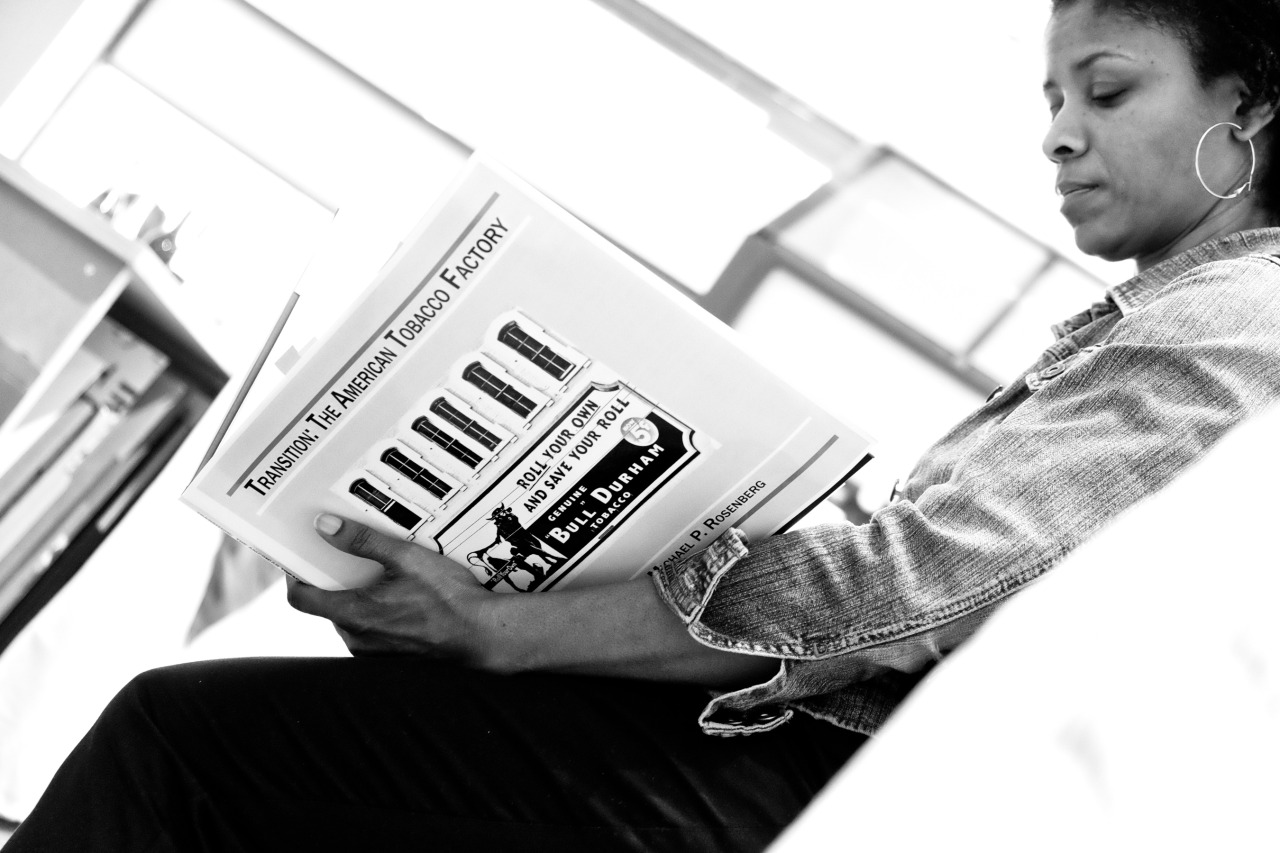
{"points": [[857, 187]]}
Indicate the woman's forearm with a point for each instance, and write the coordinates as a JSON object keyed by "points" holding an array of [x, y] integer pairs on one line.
{"points": [[617, 630], [425, 604]]}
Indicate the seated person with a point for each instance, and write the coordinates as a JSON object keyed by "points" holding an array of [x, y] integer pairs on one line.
{"points": [[570, 719]]}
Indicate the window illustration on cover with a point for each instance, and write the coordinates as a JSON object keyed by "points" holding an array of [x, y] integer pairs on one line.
{"points": [[526, 460]]}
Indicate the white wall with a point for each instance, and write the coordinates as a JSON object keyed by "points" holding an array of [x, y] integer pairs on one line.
{"points": [[29, 27], [45, 47]]}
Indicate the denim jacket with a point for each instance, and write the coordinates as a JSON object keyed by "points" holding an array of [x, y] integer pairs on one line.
{"points": [[1133, 391]]}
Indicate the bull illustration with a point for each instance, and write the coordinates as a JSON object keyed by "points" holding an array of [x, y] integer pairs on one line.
{"points": [[524, 552]]}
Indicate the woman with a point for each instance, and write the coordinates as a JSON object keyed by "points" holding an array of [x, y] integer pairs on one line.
{"points": [[449, 732]]}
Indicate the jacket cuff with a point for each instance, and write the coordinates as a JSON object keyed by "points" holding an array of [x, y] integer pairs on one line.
{"points": [[687, 586]]}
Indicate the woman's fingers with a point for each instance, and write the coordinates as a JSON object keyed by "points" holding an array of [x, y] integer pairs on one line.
{"points": [[361, 541]]}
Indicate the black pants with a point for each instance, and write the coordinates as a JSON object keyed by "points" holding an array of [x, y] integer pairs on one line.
{"points": [[387, 754]]}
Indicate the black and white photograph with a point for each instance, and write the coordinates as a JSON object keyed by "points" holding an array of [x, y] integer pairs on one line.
{"points": [[639, 425]]}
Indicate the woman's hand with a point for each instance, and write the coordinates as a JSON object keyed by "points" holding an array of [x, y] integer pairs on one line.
{"points": [[426, 604], [423, 604]]}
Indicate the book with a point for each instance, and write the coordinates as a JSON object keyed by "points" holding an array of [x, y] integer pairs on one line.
{"points": [[76, 451], [88, 492], [515, 392]]}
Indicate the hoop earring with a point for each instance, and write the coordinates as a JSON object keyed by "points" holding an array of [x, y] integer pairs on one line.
{"points": [[1253, 163]]}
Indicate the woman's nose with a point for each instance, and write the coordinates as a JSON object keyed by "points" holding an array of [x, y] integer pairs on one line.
{"points": [[1065, 138]]}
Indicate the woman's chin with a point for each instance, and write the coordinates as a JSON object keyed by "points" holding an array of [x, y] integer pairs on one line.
{"points": [[1099, 243]]}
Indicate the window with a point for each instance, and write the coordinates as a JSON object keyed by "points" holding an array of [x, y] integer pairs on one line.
{"points": [[503, 392], [415, 473], [918, 249], [469, 426], [633, 139], [248, 234], [854, 369], [446, 442], [539, 354], [388, 506]]}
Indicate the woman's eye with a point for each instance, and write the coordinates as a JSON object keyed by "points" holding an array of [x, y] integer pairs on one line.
{"points": [[1107, 97]]}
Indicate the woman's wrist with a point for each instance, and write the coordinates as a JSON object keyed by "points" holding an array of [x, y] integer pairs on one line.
{"points": [[503, 636], [619, 630], [559, 631]]}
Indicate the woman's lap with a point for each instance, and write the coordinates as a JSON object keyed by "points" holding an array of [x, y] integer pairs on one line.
{"points": [[383, 753]]}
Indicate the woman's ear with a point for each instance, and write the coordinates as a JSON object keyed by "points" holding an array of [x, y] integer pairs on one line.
{"points": [[1253, 117]]}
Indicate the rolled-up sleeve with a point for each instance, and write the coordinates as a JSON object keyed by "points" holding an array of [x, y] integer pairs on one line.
{"points": [[856, 613]]}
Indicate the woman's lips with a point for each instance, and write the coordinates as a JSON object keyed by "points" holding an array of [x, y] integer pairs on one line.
{"points": [[1074, 194], [1066, 188]]}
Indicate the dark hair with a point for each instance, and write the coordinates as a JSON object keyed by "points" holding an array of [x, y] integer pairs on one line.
{"points": [[1223, 37]]}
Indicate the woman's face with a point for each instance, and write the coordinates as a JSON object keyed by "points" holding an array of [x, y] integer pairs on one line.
{"points": [[1128, 110]]}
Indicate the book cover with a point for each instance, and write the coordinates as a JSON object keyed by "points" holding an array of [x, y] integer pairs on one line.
{"points": [[516, 393]]}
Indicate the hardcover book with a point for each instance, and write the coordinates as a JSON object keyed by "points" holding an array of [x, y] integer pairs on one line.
{"points": [[516, 393]]}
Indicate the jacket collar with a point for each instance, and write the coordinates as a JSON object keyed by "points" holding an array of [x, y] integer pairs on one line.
{"points": [[1137, 291], [1131, 295]]}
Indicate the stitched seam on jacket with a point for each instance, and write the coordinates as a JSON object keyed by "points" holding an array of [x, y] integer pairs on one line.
{"points": [[991, 593]]}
